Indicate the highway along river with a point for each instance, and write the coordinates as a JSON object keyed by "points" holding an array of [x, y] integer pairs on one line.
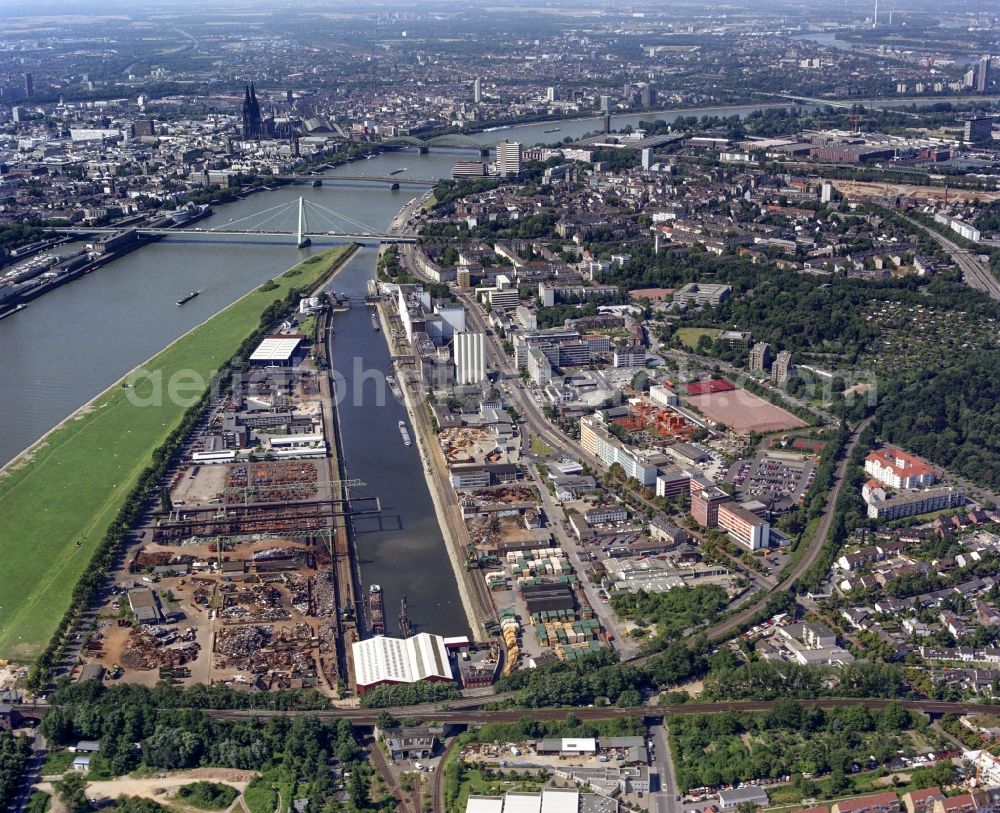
{"points": [[75, 341]]}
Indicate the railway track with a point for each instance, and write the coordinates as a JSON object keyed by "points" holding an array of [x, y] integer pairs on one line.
{"points": [[973, 272]]}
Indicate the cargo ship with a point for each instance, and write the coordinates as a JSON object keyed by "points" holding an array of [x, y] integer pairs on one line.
{"points": [[554, 130], [394, 387], [188, 297], [375, 323], [317, 183], [376, 610], [14, 310], [397, 171], [405, 434]]}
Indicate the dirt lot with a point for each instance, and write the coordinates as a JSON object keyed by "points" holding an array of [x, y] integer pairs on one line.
{"points": [[744, 412], [199, 485], [162, 786], [865, 189]]}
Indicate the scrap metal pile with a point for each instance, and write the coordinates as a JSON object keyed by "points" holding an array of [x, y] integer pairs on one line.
{"points": [[158, 647], [257, 604], [325, 608], [277, 481]]}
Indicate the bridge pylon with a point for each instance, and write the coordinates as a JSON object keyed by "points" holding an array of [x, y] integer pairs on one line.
{"points": [[302, 240]]}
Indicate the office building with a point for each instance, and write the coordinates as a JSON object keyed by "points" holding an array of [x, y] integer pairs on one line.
{"points": [[826, 193], [550, 94], [477, 90], [671, 481], [470, 358], [598, 441], [143, 128], [700, 294], [760, 357], [744, 526], [648, 96], [468, 169], [605, 104], [705, 505], [978, 129], [509, 154], [647, 158], [782, 367], [630, 356], [17, 114]]}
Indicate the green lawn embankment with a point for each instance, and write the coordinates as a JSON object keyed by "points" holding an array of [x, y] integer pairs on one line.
{"points": [[57, 502]]}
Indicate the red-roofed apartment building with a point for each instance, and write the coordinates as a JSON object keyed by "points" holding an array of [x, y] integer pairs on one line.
{"points": [[980, 802], [876, 803], [898, 469], [921, 801]]}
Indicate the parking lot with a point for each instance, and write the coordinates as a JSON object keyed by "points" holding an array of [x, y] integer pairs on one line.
{"points": [[777, 478]]}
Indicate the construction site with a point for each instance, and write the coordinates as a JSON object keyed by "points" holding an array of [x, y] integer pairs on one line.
{"points": [[245, 576], [656, 425]]}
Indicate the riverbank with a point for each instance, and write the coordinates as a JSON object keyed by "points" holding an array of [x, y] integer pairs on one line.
{"points": [[60, 496]]}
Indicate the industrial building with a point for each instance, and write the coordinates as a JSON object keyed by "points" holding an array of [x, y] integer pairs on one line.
{"points": [[381, 660], [550, 800], [277, 351], [470, 358]]}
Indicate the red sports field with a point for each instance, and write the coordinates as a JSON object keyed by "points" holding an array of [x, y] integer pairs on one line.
{"points": [[744, 412]]}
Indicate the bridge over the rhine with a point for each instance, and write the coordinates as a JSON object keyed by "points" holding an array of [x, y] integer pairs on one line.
{"points": [[451, 141], [310, 220], [400, 180]]}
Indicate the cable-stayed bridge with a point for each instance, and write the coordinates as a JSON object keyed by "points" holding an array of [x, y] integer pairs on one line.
{"points": [[298, 219]]}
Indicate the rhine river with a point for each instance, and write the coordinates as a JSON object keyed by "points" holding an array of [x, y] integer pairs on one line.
{"points": [[73, 342]]}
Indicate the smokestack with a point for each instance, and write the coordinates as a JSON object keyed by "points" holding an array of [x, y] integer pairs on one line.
{"points": [[875, 18]]}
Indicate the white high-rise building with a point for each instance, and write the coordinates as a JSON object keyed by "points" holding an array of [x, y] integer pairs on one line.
{"points": [[508, 158], [470, 358], [550, 94], [477, 90], [647, 158]]}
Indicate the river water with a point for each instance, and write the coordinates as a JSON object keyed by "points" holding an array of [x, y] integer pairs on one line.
{"points": [[77, 340]]}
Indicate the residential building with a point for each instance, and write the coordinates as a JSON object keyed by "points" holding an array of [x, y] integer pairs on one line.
{"points": [[909, 503], [899, 469], [781, 368], [876, 803], [760, 357]]}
